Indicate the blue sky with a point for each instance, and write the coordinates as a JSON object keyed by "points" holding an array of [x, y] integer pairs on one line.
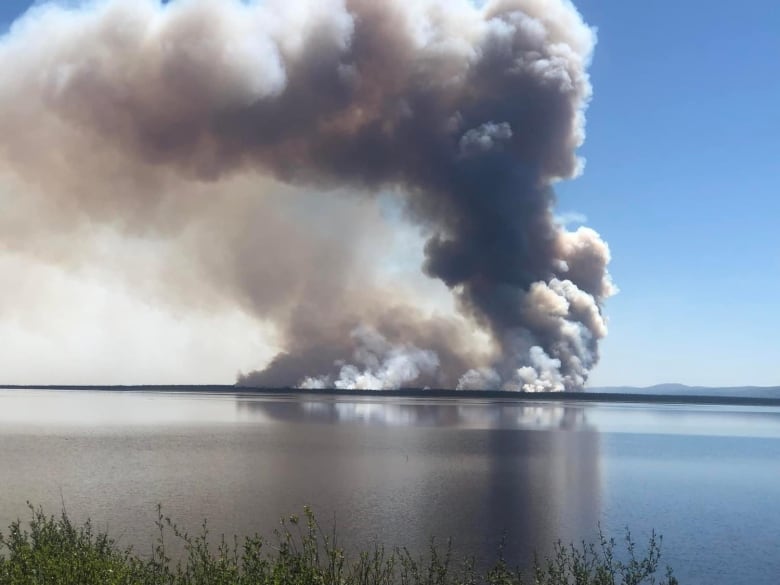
{"points": [[683, 181]]}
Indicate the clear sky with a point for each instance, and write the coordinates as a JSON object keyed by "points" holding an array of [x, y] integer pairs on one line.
{"points": [[683, 181]]}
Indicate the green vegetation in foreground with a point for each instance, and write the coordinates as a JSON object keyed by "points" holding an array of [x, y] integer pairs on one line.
{"points": [[53, 551]]}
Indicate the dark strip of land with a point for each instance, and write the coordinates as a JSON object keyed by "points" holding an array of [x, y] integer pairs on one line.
{"points": [[416, 393]]}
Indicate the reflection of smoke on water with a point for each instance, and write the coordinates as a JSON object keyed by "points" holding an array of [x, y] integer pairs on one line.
{"points": [[389, 413], [470, 470]]}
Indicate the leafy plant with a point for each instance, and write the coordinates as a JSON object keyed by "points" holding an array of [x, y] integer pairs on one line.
{"points": [[52, 551]]}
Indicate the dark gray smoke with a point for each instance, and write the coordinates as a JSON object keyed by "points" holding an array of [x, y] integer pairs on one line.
{"points": [[144, 117]]}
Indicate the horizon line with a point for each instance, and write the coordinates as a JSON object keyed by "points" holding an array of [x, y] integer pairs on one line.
{"points": [[505, 395]]}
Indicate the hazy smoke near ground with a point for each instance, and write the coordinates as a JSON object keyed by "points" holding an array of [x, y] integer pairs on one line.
{"points": [[247, 142], [384, 366]]}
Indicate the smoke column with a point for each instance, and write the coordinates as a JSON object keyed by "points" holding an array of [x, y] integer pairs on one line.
{"points": [[244, 146]]}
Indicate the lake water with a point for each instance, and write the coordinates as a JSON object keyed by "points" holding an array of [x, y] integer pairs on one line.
{"points": [[402, 470]]}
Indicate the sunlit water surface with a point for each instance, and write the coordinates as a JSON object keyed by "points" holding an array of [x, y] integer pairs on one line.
{"points": [[403, 470]]}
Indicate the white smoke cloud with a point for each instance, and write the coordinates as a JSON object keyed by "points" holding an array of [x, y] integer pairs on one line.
{"points": [[379, 365], [485, 138]]}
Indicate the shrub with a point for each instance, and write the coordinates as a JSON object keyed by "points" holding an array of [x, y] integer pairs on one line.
{"points": [[52, 551]]}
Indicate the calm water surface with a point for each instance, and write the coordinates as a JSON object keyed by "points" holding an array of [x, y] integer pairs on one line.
{"points": [[402, 470]]}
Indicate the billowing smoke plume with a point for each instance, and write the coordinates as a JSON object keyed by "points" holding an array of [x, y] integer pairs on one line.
{"points": [[248, 142], [384, 366]]}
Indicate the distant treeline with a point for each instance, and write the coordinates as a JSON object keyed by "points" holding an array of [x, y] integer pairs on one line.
{"points": [[639, 396]]}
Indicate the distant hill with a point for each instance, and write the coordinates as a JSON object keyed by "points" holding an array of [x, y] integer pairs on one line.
{"points": [[683, 390]]}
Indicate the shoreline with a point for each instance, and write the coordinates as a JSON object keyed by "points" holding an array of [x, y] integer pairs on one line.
{"points": [[412, 393]]}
